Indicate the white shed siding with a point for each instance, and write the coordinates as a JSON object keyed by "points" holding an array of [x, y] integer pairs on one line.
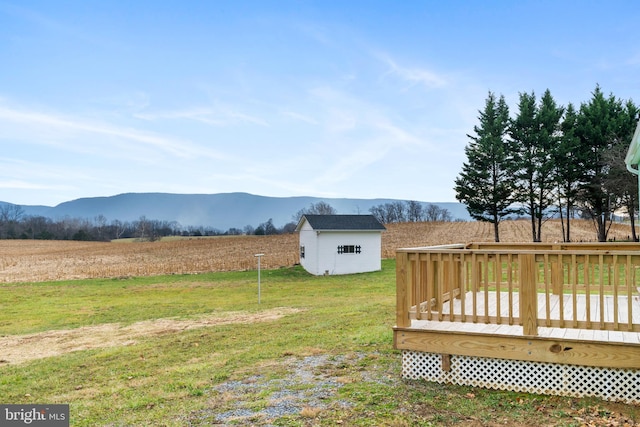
{"points": [[340, 244], [331, 262], [309, 239]]}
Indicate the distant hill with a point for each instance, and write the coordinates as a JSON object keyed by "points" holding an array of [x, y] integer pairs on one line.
{"points": [[221, 211]]}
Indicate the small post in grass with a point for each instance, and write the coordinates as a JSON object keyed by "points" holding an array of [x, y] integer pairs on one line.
{"points": [[259, 256]]}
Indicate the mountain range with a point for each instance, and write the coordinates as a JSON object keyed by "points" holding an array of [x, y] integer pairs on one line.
{"points": [[220, 211]]}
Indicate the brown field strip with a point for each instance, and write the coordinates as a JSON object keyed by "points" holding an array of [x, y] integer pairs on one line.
{"points": [[41, 260]]}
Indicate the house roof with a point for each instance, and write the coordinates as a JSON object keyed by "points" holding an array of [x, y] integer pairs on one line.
{"points": [[342, 222]]}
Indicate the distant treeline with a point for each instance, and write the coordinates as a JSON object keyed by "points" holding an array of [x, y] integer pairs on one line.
{"points": [[14, 224], [410, 211]]}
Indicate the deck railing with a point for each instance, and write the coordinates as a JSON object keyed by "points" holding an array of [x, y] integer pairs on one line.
{"points": [[582, 286]]}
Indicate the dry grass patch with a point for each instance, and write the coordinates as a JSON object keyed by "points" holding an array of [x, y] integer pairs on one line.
{"points": [[309, 412], [23, 348]]}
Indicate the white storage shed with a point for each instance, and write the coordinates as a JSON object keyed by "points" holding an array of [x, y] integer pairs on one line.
{"points": [[340, 244]]}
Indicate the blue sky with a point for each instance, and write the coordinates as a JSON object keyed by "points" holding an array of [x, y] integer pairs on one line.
{"points": [[357, 99]]}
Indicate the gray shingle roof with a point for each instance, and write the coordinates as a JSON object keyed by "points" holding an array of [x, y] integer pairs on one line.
{"points": [[343, 222]]}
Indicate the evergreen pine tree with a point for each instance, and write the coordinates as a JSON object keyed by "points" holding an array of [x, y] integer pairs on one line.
{"points": [[598, 127], [485, 184], [524, 132], [569, 160]]}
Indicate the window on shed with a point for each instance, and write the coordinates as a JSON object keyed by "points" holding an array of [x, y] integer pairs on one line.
{"points": [[349, 249], [301, 251]]}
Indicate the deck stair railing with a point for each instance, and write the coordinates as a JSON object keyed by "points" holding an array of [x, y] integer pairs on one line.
{"points": [[581, 286]]}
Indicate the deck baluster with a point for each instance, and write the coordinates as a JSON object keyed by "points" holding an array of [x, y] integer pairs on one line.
{"points": [[528, 294]]}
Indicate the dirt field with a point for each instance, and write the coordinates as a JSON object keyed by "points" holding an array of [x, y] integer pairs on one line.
{"points": [[40, 260]]}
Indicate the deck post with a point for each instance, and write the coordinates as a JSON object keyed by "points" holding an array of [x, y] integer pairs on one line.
{"points": [[528, 294], [556, 272], [446, 362], [403, 280]]}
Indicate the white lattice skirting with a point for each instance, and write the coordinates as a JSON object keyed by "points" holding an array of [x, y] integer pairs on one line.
{"points": [[532, 377]]}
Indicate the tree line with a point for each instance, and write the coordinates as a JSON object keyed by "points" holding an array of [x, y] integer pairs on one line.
{"points": [[387, 213], [409, 211], [14, 224], [549, 160]]}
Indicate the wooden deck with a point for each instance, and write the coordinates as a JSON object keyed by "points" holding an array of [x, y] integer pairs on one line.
{"points": [[606, 310], [515, 329], [563, 303]]}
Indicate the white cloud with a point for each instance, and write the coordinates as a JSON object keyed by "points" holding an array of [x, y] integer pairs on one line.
{"points": [[26, 185], [413, 75], [82, 135], [215, 116], [299, 117]]}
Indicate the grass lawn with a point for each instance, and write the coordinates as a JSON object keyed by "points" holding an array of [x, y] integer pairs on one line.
{"points": [[325, 359]]}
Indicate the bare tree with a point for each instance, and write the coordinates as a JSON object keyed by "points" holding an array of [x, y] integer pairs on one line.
{"points": [[409, 211], [397, 211], [415, 211], [100, 222], [435, 213], [266, 228], [119, 228], [379, 212], [36, 227], [10, 216], [143, 228], [11, 212], [319, 208]]}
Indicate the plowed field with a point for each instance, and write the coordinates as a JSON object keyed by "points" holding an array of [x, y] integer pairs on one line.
{"points": [[40, 260]]}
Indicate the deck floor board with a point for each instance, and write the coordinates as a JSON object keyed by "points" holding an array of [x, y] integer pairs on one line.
{"points": [[594, 305]]}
